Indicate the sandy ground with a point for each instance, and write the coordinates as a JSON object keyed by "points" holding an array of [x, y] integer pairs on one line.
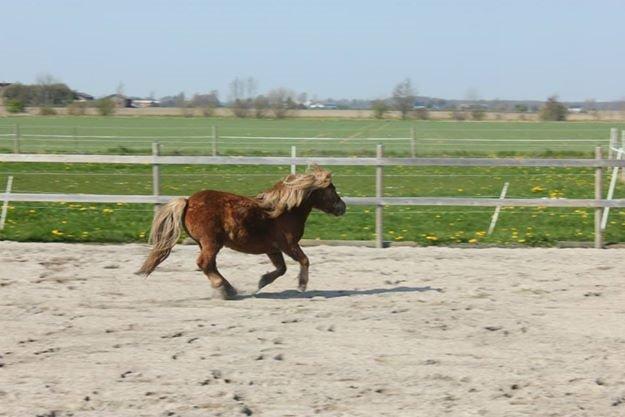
{"points": [[391, 332]]}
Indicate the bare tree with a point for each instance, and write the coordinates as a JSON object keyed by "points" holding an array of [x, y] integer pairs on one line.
{"points": [[120, 89], [404, 97], [45, 82], [261, 106], [241, 93], [590, 107], [237, 89], [251, 87], [280, 101], [206, 102], [379, 108]]}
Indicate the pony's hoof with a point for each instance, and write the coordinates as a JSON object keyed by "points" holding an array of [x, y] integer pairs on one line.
{"points": [[225, 293], [264, 281], [301, 287]]}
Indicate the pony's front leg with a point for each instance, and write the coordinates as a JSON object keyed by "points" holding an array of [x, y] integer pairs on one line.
{"points": [[295, 252], [278, 261]]}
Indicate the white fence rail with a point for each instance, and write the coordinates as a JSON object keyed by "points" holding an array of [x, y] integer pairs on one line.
{"points": [[209, 139], [155, 160]]}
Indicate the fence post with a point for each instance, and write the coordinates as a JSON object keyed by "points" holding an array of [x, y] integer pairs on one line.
{"points": [[379, 193], [75, 136], [293, 155], [413, 142], [623, 148], [613, 142], [493, 220], [5, 203], [16, 140], [598, 193], [611, 187], [156, 173], [215, 137]]}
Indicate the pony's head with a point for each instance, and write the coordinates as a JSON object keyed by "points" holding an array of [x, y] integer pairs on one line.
{"points": [[314, 186]]}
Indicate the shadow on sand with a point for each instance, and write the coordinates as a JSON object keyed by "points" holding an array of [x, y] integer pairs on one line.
{"points": [[292, 294]]}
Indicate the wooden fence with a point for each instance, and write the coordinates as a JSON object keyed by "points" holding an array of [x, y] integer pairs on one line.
{"points": [[379, 162]]}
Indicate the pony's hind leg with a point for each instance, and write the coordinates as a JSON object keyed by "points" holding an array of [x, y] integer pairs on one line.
{"points": [[207, 263], [295, 252], [278, 261]]}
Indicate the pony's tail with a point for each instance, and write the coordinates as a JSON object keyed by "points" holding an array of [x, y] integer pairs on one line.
{"points": [[166, 230]]}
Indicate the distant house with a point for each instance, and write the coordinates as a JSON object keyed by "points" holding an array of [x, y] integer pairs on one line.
{"points": [[120, 100], [575, 110], [2, 87], [78, 96], [144, 102], [316, 106]]}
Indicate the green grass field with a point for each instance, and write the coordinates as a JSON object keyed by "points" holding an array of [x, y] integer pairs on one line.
{"points": [[426, 225]]}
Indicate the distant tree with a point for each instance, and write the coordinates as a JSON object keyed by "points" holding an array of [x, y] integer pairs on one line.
{"points": [[422, 113], [590, 107], [177, 100], [520, 108], [206, 102], [380, 108], [44, 85], [251, 87], [47, 93], [180, 99], [208, 110], [77, 108], [241, 93], [241, 107], [458, 115], [261, 106], [477, 112], [242, 88], [105, 106], [120, 88], [47, 111], [15, 106], [18, 93], [280, 102], [404, 97], [553, 110], [202, 100], [237, 89], [187, 110]]}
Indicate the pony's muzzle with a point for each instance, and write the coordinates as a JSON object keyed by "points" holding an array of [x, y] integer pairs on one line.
{"points": [[339, 208]]}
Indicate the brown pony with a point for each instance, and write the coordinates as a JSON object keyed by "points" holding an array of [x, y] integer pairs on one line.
{"points": [[271, 223]]}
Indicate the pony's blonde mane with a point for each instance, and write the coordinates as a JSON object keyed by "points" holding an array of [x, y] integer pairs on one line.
{"points": [[292, 190]]}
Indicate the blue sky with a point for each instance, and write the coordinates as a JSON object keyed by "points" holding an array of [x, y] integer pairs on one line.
{"points": [[341, 48]]}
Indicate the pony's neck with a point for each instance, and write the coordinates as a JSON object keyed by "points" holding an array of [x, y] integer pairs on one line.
{"points": [[295, 219]]}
